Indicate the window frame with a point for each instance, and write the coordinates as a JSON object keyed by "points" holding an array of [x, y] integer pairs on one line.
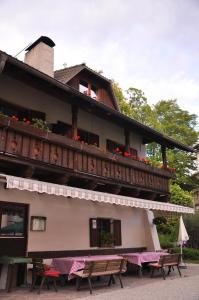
{"points": [[95, 229], [14, 206]]}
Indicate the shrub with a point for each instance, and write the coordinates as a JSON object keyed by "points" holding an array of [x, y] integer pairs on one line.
{"points": [[188, 253], [165, 241], [180, 196]]}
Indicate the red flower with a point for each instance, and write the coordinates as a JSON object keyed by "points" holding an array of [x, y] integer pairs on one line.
{"points": [[76, 138], [15, 118], [117, 149], [127, 154]]}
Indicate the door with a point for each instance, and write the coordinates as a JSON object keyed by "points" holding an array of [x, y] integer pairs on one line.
{"points": [[13, 228]]}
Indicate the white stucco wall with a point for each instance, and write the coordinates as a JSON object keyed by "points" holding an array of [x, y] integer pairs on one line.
{"points": [[68, 221]]}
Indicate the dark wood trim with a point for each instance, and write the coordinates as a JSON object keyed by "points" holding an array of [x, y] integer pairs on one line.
{"points": [[16, 246], [164, 155], [74, 121], [67, 253], [127, 140], [3, 59]]}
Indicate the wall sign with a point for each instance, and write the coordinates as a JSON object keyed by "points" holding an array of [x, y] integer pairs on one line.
{"points": [[38, 223]]}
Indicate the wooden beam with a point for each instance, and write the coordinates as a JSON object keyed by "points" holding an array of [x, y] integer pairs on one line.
{"points": [[3, 59], [127, 140], [113, 189], [27, 172], [164, 155], [89, 89], [91, 185], [74, 121], [62, 179]]}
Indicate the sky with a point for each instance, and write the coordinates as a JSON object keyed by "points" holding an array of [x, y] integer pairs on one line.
{"points": [[152, 45]]}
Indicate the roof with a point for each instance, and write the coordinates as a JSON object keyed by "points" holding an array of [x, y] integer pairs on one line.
{"points": [[66, 74], [46, 40], [52, 85]]}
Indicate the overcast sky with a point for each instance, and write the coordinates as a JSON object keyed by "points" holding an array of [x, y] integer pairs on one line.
{"points": [[152, 45]]}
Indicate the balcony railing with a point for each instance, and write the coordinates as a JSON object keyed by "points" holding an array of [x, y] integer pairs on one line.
{"points": [[24, 142]]}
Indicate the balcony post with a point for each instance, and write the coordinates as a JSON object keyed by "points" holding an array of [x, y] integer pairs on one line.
{"points": [[127, 140], [74, 121], [164, 155]]}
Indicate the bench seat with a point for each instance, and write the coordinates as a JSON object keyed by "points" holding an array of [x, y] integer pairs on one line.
{"points": [[101, 268]]}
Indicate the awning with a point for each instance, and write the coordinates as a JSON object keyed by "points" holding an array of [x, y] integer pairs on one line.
{"points": [[30, 185]]}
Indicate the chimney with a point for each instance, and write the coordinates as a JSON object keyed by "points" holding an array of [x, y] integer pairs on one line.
{"points": [[40, 55]]}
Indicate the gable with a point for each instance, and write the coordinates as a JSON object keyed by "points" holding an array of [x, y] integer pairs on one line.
{"points": [[90, 83]]}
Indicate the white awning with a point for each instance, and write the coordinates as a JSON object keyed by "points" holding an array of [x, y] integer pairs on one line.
{"points": [[72, 192]]}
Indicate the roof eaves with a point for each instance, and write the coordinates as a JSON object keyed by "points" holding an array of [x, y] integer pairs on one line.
{"points": [[156, 135]]}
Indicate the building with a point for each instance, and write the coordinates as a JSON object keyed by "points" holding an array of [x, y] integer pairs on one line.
{"points": [[85, 186]]}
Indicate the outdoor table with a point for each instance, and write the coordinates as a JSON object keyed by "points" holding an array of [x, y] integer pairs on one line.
{"points": [[12, 262], [69, 265], [138, 258]]}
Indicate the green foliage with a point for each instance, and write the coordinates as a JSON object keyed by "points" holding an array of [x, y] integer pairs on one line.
{"points": [[38, 123], [169, 228], [166, 242], [180, 196], [159, 220], [106, 238], [167, 117], [192, 226], [188, 253]]}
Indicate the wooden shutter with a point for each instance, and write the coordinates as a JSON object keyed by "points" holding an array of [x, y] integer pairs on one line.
{"points": [[117, 232], [94, 225]]}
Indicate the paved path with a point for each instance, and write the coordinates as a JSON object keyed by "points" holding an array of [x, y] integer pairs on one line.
{"points": [[180, 289], [174, 287]]}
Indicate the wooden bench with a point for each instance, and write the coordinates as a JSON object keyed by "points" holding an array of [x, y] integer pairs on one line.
{"points": [[101, 268], [170, 261]]}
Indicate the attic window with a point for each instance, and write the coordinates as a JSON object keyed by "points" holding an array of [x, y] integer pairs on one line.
{"points": [[88, 89]]}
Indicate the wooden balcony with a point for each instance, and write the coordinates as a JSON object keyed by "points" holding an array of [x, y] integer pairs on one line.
{"points": [[30, 152]]}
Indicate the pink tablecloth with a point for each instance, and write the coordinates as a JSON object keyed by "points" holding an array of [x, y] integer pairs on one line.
{"points": [[141, 257], [69, 265]]}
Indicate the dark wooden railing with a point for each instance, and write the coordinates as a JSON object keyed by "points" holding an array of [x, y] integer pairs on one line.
{"points": [[25, 142]]}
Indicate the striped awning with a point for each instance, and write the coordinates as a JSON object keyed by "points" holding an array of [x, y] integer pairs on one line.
{"points": [[30, 185]]}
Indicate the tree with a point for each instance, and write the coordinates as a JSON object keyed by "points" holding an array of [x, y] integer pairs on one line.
{"points": [[167, 117], [180, 196]]}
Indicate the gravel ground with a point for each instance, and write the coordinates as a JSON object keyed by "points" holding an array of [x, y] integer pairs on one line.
{"points": [[146, 288], [181, 289]]}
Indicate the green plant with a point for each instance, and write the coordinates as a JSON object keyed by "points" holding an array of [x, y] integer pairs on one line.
{"points": [[106, 238], [166, 241], [188, 253], [159, 220], [41, 124]]}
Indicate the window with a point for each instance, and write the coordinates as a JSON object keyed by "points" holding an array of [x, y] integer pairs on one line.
{"points": [[12, 220], [21, 113], [88, 137], [114, 147], [105, 232], [88, 89], [62, 129]]}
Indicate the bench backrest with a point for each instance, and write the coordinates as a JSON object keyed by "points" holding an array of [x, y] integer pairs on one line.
{"points": [[170, 259], [100, 266]]}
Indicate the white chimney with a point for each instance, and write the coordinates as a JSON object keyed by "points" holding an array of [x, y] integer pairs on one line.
{"points": [[40, 55]]}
